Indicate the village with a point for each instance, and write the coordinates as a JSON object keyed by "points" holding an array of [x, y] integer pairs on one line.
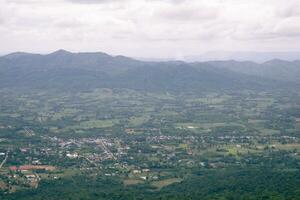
{"points": [[134, 159]]}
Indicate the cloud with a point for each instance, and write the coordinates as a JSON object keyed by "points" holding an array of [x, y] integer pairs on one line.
{"points": [[189, 12], [123, 1], [289, 9], [149, 28], [288, 28], [29, 2], [93, 1], [169, 1]]}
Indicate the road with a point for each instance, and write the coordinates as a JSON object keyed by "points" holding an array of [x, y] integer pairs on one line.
{"points": [[4, 161], [105, 149]]}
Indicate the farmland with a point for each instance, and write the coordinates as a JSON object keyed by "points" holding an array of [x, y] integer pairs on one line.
{"points": [[143, 141]]}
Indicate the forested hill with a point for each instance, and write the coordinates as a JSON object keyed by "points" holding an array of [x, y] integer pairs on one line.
{"points": [[274, 69], [79, 71]]}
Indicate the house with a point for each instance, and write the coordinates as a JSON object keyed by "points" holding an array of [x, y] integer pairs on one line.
{"points": [[72, 155], [13, 168], [136, 171]]}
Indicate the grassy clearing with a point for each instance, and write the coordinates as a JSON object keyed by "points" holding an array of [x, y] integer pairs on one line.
{"points": [[256, 121], [163, 183], [210, 100], [269, 131], [183, 146], [65, 113], [232, 151], [137, 121], [205, 125], [163, 96], [288, 146], [97, 124], [94, 124], [128, 182]]}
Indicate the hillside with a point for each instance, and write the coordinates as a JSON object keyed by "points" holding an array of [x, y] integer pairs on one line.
{"points": [[66, 70], [274, 69]]}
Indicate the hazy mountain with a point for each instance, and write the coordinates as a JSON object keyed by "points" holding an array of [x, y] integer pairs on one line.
{"points": [[274, 69], [66, 70], [259, 57], [63, 59]]}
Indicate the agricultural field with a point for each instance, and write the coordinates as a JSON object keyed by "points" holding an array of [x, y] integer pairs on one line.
{"points": [[142, 141]]}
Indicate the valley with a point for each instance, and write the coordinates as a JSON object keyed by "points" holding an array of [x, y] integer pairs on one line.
{"points": [[139, 140]]}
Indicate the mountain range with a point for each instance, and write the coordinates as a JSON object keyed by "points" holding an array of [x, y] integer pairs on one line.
{"points": [[81, 71], [254, 56]]}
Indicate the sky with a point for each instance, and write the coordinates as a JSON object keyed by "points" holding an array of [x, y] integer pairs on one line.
{"points": [[149, 28]]}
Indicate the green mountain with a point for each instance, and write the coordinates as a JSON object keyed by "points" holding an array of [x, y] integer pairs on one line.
{"points": [[274, 69], [80, 71]]}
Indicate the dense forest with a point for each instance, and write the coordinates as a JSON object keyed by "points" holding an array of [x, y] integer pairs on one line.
{"points": [[259, 183]]}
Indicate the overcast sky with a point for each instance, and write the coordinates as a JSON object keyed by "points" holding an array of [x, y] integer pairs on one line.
{"points": [[149, 28]]}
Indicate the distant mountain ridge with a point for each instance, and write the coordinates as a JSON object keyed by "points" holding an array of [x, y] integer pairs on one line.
{"points": [[274, 69], [66, 70], [259, 57]]}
